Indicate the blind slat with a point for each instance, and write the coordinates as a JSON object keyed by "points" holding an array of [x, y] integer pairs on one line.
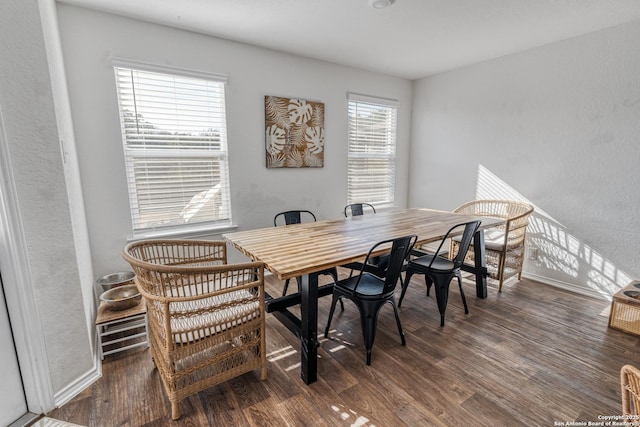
{"points": [[372, 147], [175, 145]]}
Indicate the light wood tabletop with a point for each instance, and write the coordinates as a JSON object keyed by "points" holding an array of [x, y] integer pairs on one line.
{"points": [[298, 250]]}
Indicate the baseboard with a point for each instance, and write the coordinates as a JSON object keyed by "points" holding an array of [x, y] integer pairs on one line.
{"points": [[567, 286], [79, 385]]}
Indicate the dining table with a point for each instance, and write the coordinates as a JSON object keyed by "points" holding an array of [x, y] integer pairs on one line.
{"points": [[302, 250]]}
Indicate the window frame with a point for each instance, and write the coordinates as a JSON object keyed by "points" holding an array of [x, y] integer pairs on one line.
{"points": [[376, 149], [218, 158]]}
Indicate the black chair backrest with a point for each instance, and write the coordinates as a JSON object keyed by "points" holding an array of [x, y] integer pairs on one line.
{"points": [[470, 229], [400, 248], [356, 209], [292, 217]]}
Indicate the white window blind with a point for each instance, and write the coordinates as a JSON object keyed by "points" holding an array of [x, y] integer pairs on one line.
{"points": [[372, 150], [175, 145]]}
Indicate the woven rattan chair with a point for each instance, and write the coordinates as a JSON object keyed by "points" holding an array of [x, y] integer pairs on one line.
{"points": [[630, 390], [504, 244], [206, 317]]}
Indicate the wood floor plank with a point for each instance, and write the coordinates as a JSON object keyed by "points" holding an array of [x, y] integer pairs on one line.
{"points": [[261, 414], [300, 411], [143, 386], [366, 404], [416, 415], [530, 355], [221, 406]]}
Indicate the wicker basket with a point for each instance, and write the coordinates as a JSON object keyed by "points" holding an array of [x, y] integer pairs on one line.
{"points": [[625, 309]]}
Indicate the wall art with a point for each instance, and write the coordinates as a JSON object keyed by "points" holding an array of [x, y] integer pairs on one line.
{"points": [[294, 132]]}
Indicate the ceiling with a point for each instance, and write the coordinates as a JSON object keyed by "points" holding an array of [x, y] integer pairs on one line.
{"points": [[411, 39]]}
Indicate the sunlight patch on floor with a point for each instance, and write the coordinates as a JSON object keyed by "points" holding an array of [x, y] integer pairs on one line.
{"points": [[341, 344], [346, 414], [281, 354], [292, 367]]}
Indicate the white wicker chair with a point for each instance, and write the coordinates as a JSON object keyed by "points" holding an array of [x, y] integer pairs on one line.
{"points": [[206, 317], [504, 245]]}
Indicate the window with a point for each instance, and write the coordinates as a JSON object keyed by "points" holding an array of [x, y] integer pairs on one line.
{"points": [[175, 147], [372, 150]]}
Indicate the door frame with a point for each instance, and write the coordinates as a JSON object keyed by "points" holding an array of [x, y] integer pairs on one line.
{"points": [[20, 291]]}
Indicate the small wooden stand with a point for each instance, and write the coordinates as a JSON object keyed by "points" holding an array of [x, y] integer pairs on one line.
{"points": [[625, 310], [120, 330]]}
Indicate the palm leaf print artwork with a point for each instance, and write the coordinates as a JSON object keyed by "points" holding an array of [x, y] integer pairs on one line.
{"points": [[294, 133]]}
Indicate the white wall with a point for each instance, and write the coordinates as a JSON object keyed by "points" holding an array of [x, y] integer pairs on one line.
{"points": [[91, 39], [50, 255], [558, 126]]}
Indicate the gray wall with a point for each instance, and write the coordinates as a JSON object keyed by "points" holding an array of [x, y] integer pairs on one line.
{"points": [[49, 225], [558, 126], [91, 39]]}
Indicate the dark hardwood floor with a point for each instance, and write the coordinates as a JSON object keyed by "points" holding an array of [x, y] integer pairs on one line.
{"points": [[532, 355]]}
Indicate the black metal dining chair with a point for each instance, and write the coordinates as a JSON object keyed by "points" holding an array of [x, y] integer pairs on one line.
{"points": [[439, 270], [370, 292], [292, 217], [356, 209], [376, 265], [295, 217]]}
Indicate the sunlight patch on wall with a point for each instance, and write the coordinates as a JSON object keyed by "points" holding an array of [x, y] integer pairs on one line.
{"points": [[493, 188], [560, 255]]}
